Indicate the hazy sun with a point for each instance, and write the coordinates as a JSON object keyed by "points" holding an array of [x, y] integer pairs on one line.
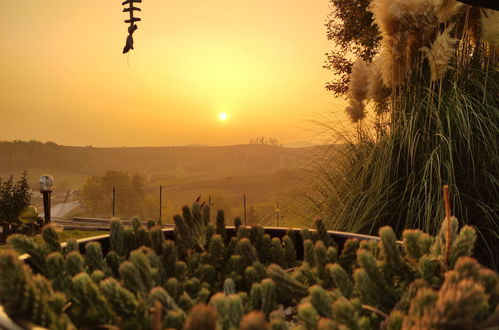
{"points": [[222, 116]]}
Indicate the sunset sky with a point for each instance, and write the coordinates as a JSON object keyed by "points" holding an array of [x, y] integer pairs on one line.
{"points": [[64, 79]]}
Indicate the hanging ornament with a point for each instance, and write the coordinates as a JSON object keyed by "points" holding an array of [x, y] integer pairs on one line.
{"points": [[132, 27]]}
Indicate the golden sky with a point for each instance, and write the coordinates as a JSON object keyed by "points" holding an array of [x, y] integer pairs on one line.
{"points": [[64, 79]]}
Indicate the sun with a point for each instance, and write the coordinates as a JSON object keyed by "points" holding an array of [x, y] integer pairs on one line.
{"points": [[222, 116]]}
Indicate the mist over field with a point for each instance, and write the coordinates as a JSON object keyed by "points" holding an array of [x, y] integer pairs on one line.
{"points": [[266, 174]]}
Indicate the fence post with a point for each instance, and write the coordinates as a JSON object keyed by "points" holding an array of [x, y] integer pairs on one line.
{"points": [[277, 214], [114, 198], [160, 202], [245, 210]]}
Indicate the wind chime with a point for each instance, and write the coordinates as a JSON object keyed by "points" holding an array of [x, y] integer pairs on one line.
{"points": [[131, 29]]}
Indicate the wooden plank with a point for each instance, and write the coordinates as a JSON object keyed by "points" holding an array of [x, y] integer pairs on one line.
{"points": [[132, 20], [127, 2], [126, 10]]}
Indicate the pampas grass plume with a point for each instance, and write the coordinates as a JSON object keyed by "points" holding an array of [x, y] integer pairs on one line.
{"points": [[440, 53], [490, 26], [356, 111], [376, 89], [357, 88], [445, 9]]}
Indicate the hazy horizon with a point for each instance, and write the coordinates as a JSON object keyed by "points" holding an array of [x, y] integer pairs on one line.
{"points": [[65, 80], [293, 144]]}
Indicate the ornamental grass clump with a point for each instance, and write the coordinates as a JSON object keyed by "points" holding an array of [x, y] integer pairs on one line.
{"points": [[423, 282], [430, 118]]}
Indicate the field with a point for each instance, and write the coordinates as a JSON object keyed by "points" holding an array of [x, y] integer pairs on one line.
{"points": [[267, 175]]}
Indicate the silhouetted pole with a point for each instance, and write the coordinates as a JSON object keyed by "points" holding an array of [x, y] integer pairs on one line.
{"points": [[160, 200], [244, 209], [114, 198], [277, 214], [46, 204]]}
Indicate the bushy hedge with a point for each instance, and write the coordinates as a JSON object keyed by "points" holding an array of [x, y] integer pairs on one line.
{"points": [[207, 280]]}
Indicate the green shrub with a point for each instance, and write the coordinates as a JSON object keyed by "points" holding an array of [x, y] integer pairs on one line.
{"points": [[371, 284]]}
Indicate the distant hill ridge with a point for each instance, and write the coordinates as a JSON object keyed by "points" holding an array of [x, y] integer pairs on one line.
{"points": [[158, 162]]}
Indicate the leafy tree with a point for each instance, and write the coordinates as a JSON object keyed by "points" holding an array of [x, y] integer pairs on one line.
{"points": [[350, 27], [130, 194], [14, 196]]}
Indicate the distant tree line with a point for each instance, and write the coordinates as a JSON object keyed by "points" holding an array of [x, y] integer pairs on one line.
{"points": [[266, 141]]}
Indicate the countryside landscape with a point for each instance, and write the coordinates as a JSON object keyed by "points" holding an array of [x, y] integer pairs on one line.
{"points": [[229, 165]]}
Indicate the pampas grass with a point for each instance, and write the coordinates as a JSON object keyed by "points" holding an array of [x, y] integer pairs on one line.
{"points": [[442, 127], [490, 27], [446, 9], [357, 90], [440, 53], [356, 111]]}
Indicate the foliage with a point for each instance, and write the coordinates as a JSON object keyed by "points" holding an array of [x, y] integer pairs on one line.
{"points": [[350, 28], [266, 141], [14, 196], [216, 283], [430, 108], [130, 194]]}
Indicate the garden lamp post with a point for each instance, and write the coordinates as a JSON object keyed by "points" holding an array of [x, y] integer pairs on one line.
{"points": [[46, 183]]}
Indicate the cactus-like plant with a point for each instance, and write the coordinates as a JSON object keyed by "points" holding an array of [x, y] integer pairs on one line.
{"points": [[287, 284], [463, 245], [169, 257], [97, 276], [201, 317], [229, 287], [90, 308], [308, 315], [331, 255], [157, 239], [372, 282], [221, 224], [321, 301], [71, 245], [112, 261], [130, 276], [264, 248], [122, 301], [143, 266], [424, 282], [253, 321], [348, 255], [175, 319], [56, 271], [277, 255], [340, 278], [247, 252], [237, 223], [185, 302], [256, 296], [75, 263], [323, 234], [192, 287], [51, 238], [256, 234], [268, 296], [321, 261], [289, 251], [251, 276], [117, 237], [94, 259], [24, 244], [25, 296]]}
